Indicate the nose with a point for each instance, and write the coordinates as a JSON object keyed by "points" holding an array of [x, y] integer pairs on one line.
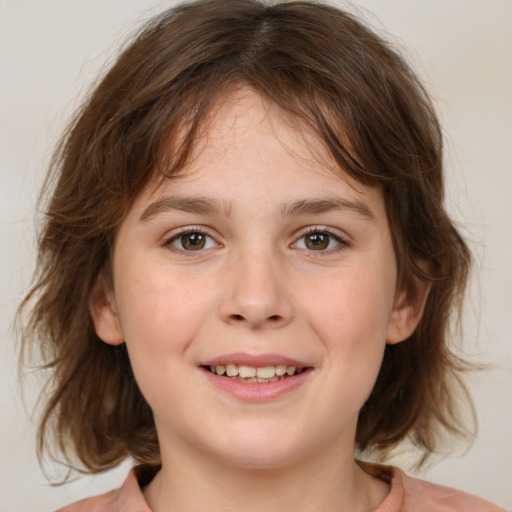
{"points": [[256, 292]]}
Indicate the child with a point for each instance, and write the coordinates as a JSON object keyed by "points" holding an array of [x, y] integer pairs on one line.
{"points": [[246, 274]]}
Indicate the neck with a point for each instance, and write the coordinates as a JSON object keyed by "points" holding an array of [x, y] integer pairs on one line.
{"points": [[321, 482]]}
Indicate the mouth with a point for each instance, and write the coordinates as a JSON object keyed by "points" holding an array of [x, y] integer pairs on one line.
{"points": [[255, 374], [256, 378]]}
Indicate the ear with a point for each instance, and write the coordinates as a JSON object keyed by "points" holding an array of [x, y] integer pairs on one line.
{"points": [[104, 314], [407, 312]]}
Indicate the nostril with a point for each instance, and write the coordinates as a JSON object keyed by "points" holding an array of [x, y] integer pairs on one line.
{"points": [[239, 318]]}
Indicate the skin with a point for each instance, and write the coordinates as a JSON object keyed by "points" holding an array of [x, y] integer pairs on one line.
{"points": [[257, 286]]}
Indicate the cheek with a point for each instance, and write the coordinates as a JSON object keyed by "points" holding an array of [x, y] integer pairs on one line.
{"points": [[356, 305], [160, 312], [160, 316], [151, 296], [351, 319]]}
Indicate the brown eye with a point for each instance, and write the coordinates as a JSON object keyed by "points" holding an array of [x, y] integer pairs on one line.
{"points": [[320, 241], [192, 241], [317, 241]]}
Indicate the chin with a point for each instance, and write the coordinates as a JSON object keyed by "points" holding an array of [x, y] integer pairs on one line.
{"points": [[261, 448], [247, 458]]}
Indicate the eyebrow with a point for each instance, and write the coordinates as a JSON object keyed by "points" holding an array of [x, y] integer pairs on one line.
{"points": [[203, 205], [316, 206], [200, 205]]}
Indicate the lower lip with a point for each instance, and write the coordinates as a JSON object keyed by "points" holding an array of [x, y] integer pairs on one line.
{"points": [[257, 391]]}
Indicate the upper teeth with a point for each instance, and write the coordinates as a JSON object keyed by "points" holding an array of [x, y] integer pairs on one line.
{"points": [[263, 372]]}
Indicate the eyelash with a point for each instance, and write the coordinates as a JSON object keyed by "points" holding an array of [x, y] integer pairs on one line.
{"points": [[342, 243], [182, 233]]}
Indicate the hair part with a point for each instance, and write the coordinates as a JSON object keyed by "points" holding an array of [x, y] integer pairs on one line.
{"points": [[322, 67]]}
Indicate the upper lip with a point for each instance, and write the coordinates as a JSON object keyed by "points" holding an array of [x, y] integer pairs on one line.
{"points": [[254, 360]]}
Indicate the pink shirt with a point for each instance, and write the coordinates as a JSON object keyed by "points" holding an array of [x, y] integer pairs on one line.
{"points": [[407, 495]]}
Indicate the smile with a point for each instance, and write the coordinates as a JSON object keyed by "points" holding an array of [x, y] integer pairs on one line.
{"points": [[263, 374]]}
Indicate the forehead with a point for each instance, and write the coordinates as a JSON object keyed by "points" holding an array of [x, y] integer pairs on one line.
{"points": [[247, 141]]}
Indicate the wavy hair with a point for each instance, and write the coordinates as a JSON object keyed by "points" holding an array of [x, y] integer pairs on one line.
{"points": [[333, 75]]}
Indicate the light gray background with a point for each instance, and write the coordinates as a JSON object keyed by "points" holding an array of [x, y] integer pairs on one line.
{"points": [[51, 51]]}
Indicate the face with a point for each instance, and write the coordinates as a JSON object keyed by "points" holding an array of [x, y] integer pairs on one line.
{"points": [[256, 262]]}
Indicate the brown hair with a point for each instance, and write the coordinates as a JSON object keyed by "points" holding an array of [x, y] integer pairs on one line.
{"points": [[324, 68]]}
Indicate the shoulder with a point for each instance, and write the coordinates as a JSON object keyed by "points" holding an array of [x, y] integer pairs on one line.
{"points": [[419, 495], [410, 494], [128, 498], [104, 503]]}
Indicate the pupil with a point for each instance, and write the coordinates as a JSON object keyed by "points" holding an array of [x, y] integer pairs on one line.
{"points": [[317, 241], [193, 241]]}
